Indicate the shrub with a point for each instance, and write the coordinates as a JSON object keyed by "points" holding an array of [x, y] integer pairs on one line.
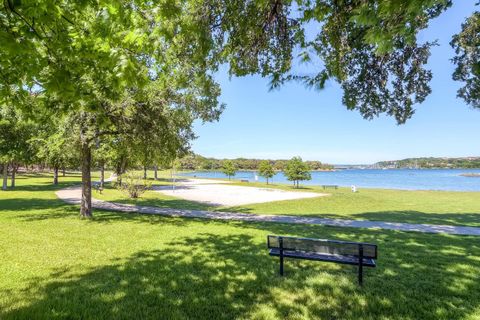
{"points": [[134, 185]]}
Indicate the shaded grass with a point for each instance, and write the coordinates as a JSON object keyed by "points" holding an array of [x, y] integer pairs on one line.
{"points": [[55, 265]]}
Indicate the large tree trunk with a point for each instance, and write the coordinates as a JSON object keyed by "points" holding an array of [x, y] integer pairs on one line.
{"points": [[5, 176], [102, 175], [55, 175], [14, 171], [86, 202], [155, 172], [145, 172]]}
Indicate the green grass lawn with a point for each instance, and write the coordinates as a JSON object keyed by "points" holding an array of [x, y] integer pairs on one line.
{"points": [[433, 207], [55, 265]]}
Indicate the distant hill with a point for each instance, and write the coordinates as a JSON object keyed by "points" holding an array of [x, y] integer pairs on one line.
{"points": [[430, 163]]}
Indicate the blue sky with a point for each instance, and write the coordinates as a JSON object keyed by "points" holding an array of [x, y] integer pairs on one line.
{"points": [[294, 120]]}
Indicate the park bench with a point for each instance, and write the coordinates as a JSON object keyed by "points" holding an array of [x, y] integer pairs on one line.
{"points": [[332, 186], [244, 180], [353, 253]]}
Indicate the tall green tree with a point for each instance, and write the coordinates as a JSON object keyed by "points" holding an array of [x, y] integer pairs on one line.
{"points": [[265, 169], [467, 60], [55, 143], [228, 168], [296, 170], [16, 131]]}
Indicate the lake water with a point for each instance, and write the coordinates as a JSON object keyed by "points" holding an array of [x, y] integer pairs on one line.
{"points": [[408, 179]]}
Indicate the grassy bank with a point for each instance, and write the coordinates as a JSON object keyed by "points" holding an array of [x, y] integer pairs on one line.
{"points": [[433, 207], [55, 265]]}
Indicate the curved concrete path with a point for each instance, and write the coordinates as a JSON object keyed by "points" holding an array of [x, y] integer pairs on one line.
{"points": [[72, 195]]}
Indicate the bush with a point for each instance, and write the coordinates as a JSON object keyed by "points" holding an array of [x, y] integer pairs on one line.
{"points": [[134, 185]]}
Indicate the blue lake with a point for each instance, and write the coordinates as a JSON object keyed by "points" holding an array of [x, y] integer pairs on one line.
{"points": [[408, 179]]}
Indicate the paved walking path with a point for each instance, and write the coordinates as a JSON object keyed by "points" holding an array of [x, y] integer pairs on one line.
{"points": [[72, 195]]}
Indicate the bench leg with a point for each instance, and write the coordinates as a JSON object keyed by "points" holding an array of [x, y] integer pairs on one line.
{"points": [[360, 265], [281, 264], [280, 242]]}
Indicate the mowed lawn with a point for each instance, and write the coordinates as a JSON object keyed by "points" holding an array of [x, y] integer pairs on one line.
{"points": [[433, 207], [55, 265]]}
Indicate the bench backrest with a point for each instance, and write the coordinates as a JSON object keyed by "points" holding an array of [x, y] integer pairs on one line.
{"points": [[323, 246]]}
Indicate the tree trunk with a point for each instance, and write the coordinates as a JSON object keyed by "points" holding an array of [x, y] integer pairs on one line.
{"points": [[155, 172], [145, 172], [86, 202], [5, 176], [102, 176], [267, 180], [55, 175], [63, 172], [14, 171]]}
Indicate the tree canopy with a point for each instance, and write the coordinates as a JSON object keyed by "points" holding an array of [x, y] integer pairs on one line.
{"points": [[228, 168], [467, 60], [140, 72], [297, 170], [265, 169]]}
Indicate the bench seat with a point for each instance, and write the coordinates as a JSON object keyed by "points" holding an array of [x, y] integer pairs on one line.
{"points": [[360, 254], [367, 262]]}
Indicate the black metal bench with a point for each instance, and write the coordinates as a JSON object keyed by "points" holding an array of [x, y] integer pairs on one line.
{"points": [[353, 253], [332, 186]]}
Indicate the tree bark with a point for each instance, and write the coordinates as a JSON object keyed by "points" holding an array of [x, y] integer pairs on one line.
{"points": [[14, 171], [145, 172], [86, 202], [63, 172], [102, 175], [55, 175], [5, 176], [155, 172]]}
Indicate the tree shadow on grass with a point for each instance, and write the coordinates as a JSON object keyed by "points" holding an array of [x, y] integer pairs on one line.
{"points": [[43, 186], [212, 276], [471, 219]]}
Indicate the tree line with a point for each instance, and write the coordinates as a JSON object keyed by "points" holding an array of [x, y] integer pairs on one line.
{"points": [[198, 162], [118, 83], [432, 163], [295, 170]]}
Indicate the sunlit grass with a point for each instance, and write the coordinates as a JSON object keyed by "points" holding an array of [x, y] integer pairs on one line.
{"points": [[55, 265], [433, 207]]}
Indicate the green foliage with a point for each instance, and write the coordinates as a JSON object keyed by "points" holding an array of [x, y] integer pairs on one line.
{"points": [[467, 60], [431, 162], [370, 48], [265, 169], [134, 185], [197, 162], [228, 168], [296, 170], [56, 143], [16, 133]]}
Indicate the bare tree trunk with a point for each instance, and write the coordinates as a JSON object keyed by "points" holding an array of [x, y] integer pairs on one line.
{"points": [[55, 175], [63, 172], [86, 202], [145, 172], [5, 176], [102, 175], [14, 171], [155, 172]]}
